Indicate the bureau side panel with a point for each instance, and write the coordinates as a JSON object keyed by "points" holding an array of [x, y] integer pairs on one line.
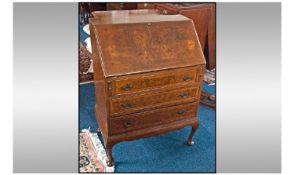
{"points": [[101, 108], [101, 111]]}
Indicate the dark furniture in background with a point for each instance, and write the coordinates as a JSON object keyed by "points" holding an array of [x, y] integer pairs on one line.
{"points": [[146, 5], [121, 6], [85, 57], [92, 6], [142, 87]]}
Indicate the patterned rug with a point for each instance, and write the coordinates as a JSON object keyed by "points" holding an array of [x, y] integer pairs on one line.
{"points": [[209, 76], [86, 69], [92, 153]]}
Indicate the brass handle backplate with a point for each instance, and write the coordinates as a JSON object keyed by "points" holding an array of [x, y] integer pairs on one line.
{"points": [[187, 78], [128, 124], [181, 112], [184, 94], [127, 87], [126, 105]]}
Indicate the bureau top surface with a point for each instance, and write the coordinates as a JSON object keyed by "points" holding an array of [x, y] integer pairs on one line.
{"points": [[133, 16], [138, 41]]}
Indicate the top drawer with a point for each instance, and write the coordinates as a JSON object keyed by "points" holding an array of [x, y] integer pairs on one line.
{"points": [[146, 81]]}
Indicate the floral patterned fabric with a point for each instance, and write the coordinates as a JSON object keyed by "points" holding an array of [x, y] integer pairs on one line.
{"points": [[86, 68]]}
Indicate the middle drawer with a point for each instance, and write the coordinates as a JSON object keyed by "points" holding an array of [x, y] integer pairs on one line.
{"points": [[137, 102]]}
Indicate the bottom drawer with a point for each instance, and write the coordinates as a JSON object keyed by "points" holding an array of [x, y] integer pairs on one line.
{"points": [[151, 118]]}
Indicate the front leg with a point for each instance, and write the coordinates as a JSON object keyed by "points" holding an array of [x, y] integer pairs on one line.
{"points": [[109, 160], [190, 139], [108, 146]]}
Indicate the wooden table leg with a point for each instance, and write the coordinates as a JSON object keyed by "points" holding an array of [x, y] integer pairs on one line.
{"points": [[190, 139], [109, 160], [108, 146]]}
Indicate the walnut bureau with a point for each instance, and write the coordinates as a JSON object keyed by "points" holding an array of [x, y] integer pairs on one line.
{"points": [[148, 72]]}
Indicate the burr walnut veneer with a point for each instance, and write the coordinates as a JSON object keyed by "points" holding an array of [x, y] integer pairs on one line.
{"points": [[148, 71]]}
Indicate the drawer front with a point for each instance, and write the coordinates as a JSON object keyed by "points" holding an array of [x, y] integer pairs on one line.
{"points": [[137, 102], [151, 118], [135, 83]]}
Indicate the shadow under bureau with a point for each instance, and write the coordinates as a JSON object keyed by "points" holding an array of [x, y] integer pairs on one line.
{"points": [[148, 72]]}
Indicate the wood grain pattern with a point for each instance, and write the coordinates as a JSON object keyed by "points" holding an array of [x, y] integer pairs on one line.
{"points": [[139, 82], [152, 118], [153, 131], [140, 101], [148, 46]]}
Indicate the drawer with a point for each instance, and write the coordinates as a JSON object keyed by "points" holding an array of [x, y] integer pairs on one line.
{"points": [[152, 118], [146, 81], [137, 102]]}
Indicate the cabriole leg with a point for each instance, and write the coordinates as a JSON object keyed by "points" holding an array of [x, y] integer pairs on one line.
{"points": [[109, 160], [190, 139]]}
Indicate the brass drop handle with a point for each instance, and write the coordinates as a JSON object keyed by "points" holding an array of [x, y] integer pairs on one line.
{"points": [[126, 105], [128, 123], [187, 78], [181, 112], [184, 94], [127, 87]]}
